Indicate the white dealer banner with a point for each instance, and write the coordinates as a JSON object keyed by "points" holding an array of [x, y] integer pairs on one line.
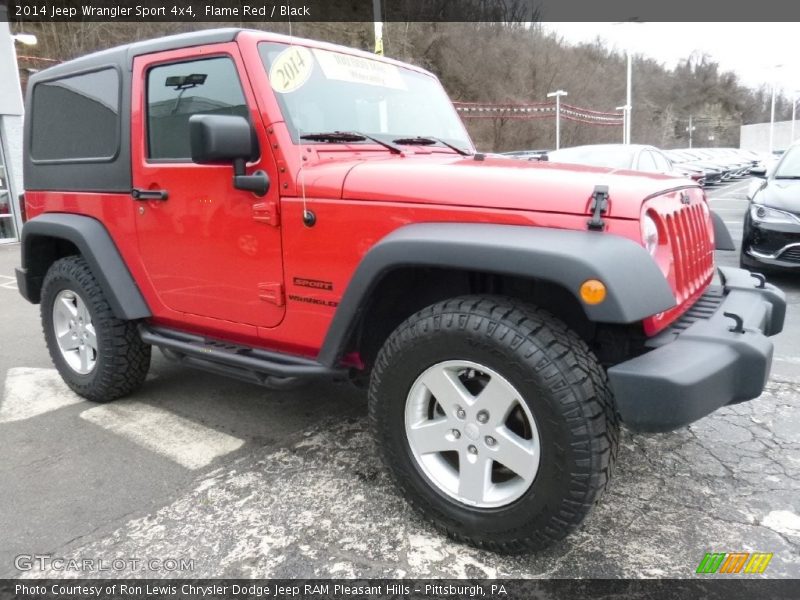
{"points": [[355, 69]]}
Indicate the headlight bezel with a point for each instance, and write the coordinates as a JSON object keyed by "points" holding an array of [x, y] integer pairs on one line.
{"points": [[651, 237], [761, 213]]}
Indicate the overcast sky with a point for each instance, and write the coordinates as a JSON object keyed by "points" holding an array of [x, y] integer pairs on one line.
{"points": [[750, 49]]}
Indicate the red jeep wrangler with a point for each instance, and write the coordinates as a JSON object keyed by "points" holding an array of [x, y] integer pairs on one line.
{"points": [[277, 209]]}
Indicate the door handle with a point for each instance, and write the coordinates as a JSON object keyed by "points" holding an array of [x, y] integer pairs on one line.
{"points": [[140, 195]]}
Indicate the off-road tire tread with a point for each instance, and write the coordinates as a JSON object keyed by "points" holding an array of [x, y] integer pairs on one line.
{"points": [[591, 412], [123, 370]]}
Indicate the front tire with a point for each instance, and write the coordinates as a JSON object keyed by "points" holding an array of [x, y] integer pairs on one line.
{"points": [[99, 356], [495, 420]]}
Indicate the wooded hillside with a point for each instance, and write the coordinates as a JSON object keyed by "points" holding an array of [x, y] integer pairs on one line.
{"points": [[509, 63]]}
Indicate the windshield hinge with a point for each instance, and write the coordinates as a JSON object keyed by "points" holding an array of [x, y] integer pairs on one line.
{"points": [[271, 292], [598, 207], [267, 212]]}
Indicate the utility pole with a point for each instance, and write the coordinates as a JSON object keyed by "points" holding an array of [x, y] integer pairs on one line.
{"points": [[376, 12], [794, 108], [557, 94]]}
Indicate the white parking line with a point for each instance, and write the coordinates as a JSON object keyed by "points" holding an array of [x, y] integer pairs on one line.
{"points": [[31, 392], [187, 443], [787, 359], [9, 283]]}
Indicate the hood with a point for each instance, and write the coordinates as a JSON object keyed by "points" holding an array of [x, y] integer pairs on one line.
{"points": [[783, 194], [499, 183]]}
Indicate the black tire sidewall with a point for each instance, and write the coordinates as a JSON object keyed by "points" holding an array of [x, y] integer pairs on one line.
{"points": [[62, 276], [542, 501]]}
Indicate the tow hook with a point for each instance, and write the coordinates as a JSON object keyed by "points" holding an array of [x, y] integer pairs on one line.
{"points": [[761, 280], [738, 322]]}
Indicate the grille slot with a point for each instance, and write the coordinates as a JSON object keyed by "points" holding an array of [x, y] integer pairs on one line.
{"points": [[694, 256], [791, 255]]}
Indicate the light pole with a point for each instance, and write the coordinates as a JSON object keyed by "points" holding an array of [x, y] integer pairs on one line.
{"points": [[794, 108], [628, 101], [690, 129], [624, 110], [628, 84], [772, 108], [557, 94]]}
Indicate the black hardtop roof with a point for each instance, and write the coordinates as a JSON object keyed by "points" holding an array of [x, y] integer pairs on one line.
{"points": [[123, 56]]}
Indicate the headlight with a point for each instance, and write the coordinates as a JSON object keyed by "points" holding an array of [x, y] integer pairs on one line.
{"points": [[650, 234], [763, 214]]}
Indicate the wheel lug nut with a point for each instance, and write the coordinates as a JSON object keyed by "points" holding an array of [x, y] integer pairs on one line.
{"points": [[483, 416], [490, 441], [472, 449], [461, 413], [456, 433]]}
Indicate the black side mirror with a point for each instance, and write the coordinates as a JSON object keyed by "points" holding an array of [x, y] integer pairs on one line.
{"points": [[216, 139], [758, 172]]}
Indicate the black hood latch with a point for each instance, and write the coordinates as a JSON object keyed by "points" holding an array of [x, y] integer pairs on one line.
{"points": [[598, 207]]}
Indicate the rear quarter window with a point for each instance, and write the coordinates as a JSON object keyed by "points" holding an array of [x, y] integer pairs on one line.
{"points": [[76, 118]]}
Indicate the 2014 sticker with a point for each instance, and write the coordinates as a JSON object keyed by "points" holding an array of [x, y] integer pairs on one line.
{"points": [[291, 69]]}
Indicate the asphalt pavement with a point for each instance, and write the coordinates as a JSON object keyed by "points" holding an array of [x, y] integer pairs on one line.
{"points": [[200, 476]]}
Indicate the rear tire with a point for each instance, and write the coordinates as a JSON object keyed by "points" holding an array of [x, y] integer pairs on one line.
{"points": [[548, 414], [99, 356]]}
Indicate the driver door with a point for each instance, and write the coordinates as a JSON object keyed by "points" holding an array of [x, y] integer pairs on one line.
{"points": [[208, 249]]}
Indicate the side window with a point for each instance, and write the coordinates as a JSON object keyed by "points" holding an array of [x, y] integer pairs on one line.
{"points": [[176, 92], [646, 162], [76, 118]]}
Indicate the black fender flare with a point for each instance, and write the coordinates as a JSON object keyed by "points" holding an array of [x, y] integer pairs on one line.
{"points": [[636, 287], [722, 235], [98, 249]]}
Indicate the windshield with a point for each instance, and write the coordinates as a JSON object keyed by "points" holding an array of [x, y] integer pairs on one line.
{"points": [[320, 91], [602, 156], [789, 167]]}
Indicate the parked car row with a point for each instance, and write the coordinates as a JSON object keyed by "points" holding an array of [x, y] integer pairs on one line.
{"points": [[633, 157], [707, 166], [728, 163]]}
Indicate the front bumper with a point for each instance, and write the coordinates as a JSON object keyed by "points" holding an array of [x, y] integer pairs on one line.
{"points": [[772, 245], [704, 361]]}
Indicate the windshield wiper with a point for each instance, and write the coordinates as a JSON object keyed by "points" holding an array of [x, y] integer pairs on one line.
{"points": [[348, 136], [787, 177], [429, 140]]}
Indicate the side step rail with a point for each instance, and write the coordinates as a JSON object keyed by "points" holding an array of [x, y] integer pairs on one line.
{"points": [[242, 362]]}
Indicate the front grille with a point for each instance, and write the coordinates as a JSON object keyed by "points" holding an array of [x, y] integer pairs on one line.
{"points": [[791, 255], [687, 229]]}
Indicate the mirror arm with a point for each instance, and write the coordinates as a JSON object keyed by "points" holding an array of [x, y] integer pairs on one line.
{"points": [[258, 182]]}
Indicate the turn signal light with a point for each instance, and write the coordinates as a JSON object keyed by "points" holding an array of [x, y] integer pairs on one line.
{"points": [[593, 291]]}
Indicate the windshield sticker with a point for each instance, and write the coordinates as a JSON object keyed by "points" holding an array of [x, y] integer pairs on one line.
{"points": [[291, 69], [355, 69]]}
